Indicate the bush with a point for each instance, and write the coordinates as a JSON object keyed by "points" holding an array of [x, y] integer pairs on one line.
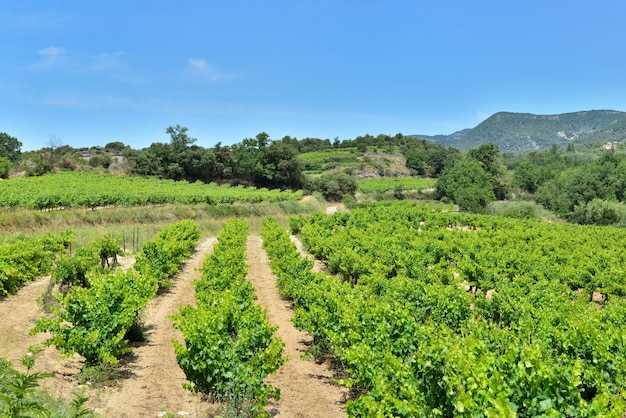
{"points": [[599, 212], [334, 186], [466, 184], [5, 167]]}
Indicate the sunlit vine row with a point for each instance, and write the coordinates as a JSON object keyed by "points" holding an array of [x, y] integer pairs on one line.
{"points": [[98, 315], [229, 345]]}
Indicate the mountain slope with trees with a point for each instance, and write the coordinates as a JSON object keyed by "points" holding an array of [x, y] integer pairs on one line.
{"points": [[523, 132]]}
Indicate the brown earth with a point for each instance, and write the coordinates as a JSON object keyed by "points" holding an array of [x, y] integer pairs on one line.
{"points": [[306, 388], [153, 380]]}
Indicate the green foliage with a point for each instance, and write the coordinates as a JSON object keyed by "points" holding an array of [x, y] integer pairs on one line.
{"points": [[72, 270], [87, 189], [23, 260], [94, 321], [487, 156], [229, 345], [10, 147], [178, 136], [5, 167], [520, 210], [466, 184], [527, 342], [161, 257], [382, 185], [334, 186], [599, 212], [97, 318], [319, 161], [21, 396], [572, 189], [103, 161], [526, 176]]}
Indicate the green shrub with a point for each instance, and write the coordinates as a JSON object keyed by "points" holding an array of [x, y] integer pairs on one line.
{"points": [[334, 186]]}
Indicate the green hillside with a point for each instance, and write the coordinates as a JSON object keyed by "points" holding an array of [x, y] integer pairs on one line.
{"points": [[615, 132], [521, 132]]}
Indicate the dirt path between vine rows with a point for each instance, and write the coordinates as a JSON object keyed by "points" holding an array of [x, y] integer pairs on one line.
{"points": [[18, 315], [155, 380], [306, 388]]}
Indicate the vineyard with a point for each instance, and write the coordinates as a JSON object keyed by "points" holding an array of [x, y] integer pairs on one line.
{"points": [[442, 314], [426, 312], [23, 260], [91, 190], [381, 185], [98, 314], [229, 345]]}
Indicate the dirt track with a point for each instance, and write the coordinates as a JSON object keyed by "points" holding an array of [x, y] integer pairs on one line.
{"points": [[306, 387]]}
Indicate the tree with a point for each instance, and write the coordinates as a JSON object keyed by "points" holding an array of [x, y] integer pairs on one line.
{"points": [[178, 136], [198, 163], [10, 147], [467, 184], [281, 166], [116, 146], [526, 176], [335, 186], [51, 151], [5, 167], [487, 156]]}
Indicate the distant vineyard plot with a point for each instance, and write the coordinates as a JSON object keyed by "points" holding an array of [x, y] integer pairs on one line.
{"points": [[86, 189], [382, 185]]}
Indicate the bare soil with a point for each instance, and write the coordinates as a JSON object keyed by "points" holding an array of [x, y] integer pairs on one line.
{"points": [[306, 388], [153, 381]]}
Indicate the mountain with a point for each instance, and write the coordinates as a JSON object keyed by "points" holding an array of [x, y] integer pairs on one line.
{"points": [[523, 132], [445, 140]]}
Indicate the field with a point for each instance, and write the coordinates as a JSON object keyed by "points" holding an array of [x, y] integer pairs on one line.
{"points": [[361, 164], [320, 161], [386, 184], [409, 308], [435, 313], [92, 190]]}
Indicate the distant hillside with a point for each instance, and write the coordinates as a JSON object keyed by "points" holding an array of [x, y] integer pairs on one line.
{"points": [[520, 132], [445, 140], [615, 132]]}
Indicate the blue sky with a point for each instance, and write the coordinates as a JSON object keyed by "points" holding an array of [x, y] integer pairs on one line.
{"points": [[88, 73]]}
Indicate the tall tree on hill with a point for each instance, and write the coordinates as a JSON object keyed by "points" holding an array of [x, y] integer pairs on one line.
{"points": [[488, 156], [10, 147], [179, 138]]}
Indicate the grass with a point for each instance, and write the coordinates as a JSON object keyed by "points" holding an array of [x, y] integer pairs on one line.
{"points": [[143, 221], [521, 210]]}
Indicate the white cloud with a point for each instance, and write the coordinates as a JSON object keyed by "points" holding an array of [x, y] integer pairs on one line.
{"points": [[51, 51], [111, 64], [104, 61], [199, 69], [86, 102]]}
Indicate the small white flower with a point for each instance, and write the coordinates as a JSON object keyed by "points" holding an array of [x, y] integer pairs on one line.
{"points": [[183, 413], [161, 414], [29, 354]]}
